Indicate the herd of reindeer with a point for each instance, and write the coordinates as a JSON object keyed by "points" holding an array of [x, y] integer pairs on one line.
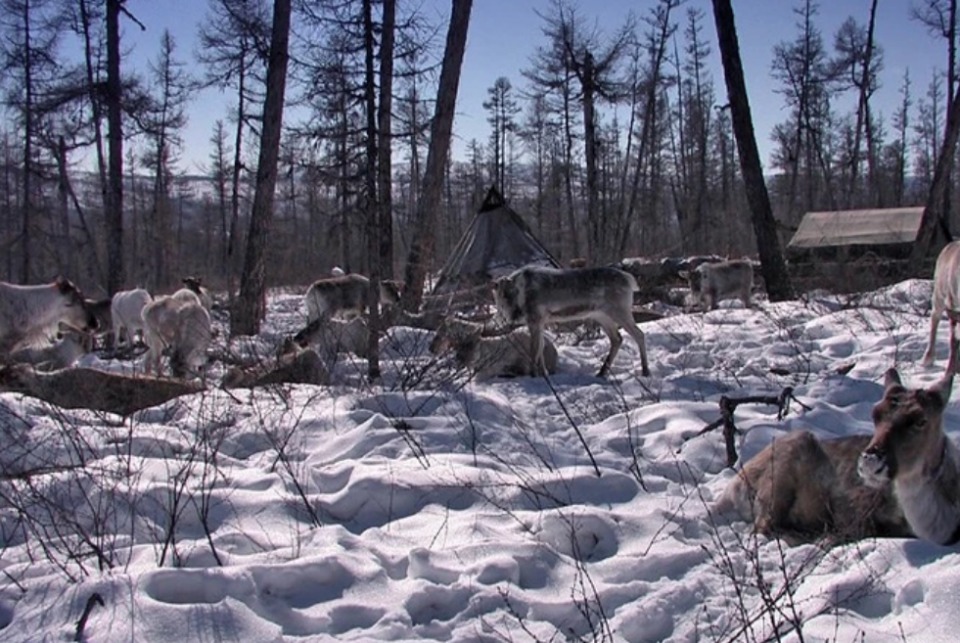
{"points": [[902, 481]]}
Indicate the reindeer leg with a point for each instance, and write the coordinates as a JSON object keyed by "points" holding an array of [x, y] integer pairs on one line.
{"points": [[935, 315], [634, 331], [952, 366], [613, 334], [536, 347]]}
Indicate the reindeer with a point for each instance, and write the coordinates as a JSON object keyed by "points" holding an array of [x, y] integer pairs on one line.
{"points": [[945, 298], [30, 314], [910, 450], [501, 355], [180, 324], [71, 344], [539, 296], [126, 308], [711, 282], [195, 285], [344, 296], [800, 489]]}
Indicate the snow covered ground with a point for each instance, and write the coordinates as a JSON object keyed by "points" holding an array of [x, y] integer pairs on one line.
{"points": [[433, 507]]}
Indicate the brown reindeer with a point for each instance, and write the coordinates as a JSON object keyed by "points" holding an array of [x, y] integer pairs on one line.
{"points": [[801, 489], [910, 450]]}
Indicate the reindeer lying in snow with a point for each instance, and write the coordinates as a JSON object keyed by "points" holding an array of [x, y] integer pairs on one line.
{"points": [[902, 481], [331, 336], [71, 344], [946, 298], [910, 450], [503, 355], [29, 314], [539, 296], [800, 488]]}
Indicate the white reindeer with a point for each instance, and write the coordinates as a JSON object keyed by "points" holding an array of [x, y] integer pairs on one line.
{"points": [[344, 296], [126, 310], [712, 282], [801, 489], [946, 298], [506, 355], [180, 324], [195, 284], [30, 314], [71, 344], [910, 450], [539, 296]]}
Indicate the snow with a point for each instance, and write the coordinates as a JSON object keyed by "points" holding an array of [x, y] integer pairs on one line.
{"points": [[432, 507]]}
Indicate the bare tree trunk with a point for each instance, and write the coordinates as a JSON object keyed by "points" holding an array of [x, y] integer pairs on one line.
{"points": [[386, 139], [235, 177], [772, 265], [28, 116], [114, 211], [863, 115], [250, 307], [370, 183], [594, 246], [422, 247], [934, 211]]}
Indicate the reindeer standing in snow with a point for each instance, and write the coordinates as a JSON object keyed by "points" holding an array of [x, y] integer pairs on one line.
{"points": [[539, 296]]}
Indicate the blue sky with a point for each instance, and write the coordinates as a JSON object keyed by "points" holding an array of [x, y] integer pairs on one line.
{"points": [[505, 33]]}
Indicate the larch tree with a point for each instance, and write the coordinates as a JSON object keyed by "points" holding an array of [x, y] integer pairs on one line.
{"points": [[234, 41], [594, 61], [422, 246], [31, 31], [859, 62], [250, 307], [649, 77], [164, 125], [502, 109], [772, 265], [804, 70], [114, 201], [933, 215]]}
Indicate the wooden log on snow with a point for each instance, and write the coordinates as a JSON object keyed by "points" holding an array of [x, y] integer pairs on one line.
{"points": [[88, 388], [299, 367]]}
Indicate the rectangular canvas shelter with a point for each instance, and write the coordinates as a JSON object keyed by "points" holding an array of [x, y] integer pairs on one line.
{"points": [[876, 227]]}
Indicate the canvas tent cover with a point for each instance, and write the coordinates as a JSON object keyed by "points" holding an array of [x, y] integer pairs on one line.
{"points": [[496, 243], [857, 227]]}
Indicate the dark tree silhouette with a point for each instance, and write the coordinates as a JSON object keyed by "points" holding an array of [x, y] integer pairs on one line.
{"points": [[424, 240], [772, 265], [250, 306]]}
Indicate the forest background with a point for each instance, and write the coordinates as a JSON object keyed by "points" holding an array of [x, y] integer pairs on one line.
{"points": [[607, 127]]}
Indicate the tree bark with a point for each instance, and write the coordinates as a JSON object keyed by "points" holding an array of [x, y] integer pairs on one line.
{"points": [[934, 212], [371, 184], [421, 250], [114, 201], [250, 307], [772, 265]]}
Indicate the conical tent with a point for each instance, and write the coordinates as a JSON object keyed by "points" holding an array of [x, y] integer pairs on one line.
{"points": [[496, 243]]}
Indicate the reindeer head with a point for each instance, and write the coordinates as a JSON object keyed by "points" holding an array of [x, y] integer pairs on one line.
{"points": [[507, 297], [77, 311], [908, 431], [193, 283], [453, 333]]}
